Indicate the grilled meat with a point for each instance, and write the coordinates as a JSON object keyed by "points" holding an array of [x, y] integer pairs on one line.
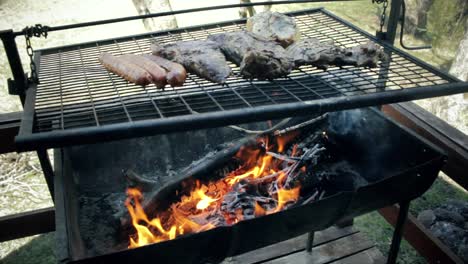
{"points": [[176, 73], [203, 58], [257, 57], [322, 54], [275, 26], [125, 69], [157, 73]]}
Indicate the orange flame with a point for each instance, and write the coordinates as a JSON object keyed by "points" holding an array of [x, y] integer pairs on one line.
{"points": [[194, 212]]}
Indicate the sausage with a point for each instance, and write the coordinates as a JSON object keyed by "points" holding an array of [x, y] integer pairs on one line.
{"points": [[176, 73], [157, 73], [125, 69]]}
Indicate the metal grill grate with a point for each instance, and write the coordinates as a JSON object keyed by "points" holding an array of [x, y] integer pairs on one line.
{"points": [[77, 99]]}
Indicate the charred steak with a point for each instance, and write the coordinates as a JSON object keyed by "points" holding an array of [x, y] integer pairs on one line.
{"points": [[275, 26], [201, 57], [322, 54], [257, 57]]}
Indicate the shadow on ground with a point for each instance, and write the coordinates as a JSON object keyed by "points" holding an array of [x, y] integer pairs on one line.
{"points": [[39, 250]]}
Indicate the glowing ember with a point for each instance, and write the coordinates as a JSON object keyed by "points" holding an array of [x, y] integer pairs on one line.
{"points": [[260, 186]]}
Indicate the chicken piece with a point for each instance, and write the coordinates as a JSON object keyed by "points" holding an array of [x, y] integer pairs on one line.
{"points": [[322, 54], [127, 70], [257, 57], [275, 26], [203, 58]]}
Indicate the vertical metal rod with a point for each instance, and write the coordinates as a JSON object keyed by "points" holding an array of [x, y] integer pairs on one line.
{"points": [[393, 19], [47, 169], [398, 232], [14, 60], [392, 25], [310, 242]]}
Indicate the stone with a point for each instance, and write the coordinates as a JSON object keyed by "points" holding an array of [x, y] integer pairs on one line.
{"points": [[426, 218], [463, 250], [450, 234], [449, 216], [460, 207]]}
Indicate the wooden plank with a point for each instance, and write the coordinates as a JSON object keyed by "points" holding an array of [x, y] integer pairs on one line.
{"points": [[437, 131], [427, 245], [27, 224], [9, 127], [289, 246], [329, 252], [370, 256]]}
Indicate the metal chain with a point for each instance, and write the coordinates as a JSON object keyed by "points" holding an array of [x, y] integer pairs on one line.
{"points": [[36, 31], [383, 16]]}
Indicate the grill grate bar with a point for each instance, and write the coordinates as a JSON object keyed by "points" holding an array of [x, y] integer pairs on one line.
{"points": [[77, 94], [115, 88]]}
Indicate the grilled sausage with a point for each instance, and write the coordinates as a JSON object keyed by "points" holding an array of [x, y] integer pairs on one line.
{"points": [[125, 69], [176, 73], [157, 73]]}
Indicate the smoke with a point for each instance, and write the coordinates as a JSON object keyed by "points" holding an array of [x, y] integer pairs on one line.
{"points": [[366, 139], [345, 122]]}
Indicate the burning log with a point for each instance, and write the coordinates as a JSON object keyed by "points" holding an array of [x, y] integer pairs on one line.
{"points": [[137, 181]]}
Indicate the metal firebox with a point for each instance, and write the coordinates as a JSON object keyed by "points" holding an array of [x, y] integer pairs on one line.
{"points": [[392, 163]]}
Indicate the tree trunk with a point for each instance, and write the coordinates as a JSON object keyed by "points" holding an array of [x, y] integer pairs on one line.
{"points": [[416, 16], [245, 12], [454, 108], [268, 7], [155, 6], [459, 67]]}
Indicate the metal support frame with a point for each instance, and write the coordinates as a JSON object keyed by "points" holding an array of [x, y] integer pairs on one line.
{"points": [[47, 170], [310, 242], [398, 232], [393, 20], [19, 83], [18, 86]]}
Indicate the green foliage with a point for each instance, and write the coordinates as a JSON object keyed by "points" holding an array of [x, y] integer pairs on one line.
{"points": [[376, 228], [439, 193], [446, 25]]}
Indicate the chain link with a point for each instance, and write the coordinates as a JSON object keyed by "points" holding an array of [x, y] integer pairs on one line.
{"points": [[36, 31], [383, 16]]}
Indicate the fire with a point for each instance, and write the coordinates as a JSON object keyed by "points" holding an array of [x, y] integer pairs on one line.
{"points": [[205, 200], [205, 206]]}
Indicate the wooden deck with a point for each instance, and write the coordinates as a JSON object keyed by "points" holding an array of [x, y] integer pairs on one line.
{"points": [[333, 245]]}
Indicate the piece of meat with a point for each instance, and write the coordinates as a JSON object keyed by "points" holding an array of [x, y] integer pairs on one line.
{"points": [[364, 55], [157, 73], [322, 54], [203, 58], [129, 71], [257, 57], [176, 73], [276, 26]]}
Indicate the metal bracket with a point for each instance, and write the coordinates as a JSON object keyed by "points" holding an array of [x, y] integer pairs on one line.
{"points": [[402, 29], [381, 35], [13, 88]]}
